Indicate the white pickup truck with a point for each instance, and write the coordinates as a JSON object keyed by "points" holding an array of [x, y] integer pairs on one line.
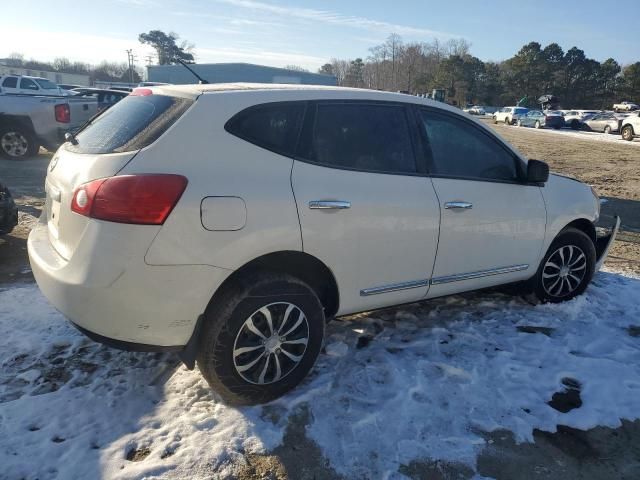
{"points": [[625, 107], [28, 122], [630, 126]]}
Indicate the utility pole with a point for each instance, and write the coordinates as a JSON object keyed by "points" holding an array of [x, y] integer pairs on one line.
{"points": [[131, 58]]}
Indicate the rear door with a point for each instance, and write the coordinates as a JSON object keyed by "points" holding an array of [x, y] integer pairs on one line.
{"points": [[492, 224], [366, 209]]}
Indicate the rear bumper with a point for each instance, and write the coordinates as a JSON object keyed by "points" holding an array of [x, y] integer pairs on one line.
{"points": [[603, 244], [110, 294]]}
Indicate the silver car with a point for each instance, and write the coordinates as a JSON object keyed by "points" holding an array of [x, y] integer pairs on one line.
{"points": [[602, 122]]}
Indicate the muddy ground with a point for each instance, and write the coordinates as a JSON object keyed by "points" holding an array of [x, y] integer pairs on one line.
{"points": [[613, 169]]}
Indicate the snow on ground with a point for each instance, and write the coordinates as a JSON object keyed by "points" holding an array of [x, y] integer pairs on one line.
{"points": [[421, 382], [593, 136]]}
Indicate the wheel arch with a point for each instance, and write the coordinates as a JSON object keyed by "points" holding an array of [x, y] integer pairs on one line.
{"points": [[301, 265], [17, 120], [584, 225]]}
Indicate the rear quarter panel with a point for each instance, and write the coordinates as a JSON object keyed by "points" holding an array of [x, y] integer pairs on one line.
{"points": [[218, 164]]}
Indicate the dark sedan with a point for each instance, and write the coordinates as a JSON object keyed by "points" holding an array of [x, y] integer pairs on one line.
{"points": [[539, 119], [602, 122], [8, 211]]}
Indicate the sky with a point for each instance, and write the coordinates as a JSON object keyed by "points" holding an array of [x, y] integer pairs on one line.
{"points": [[308, 33]]}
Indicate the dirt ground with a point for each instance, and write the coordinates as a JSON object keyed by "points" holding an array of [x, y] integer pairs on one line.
{"points": [[614, 170]]}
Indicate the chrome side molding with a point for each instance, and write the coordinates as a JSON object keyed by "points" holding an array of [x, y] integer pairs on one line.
{"points": [[394, 287], [440, 280], [482, 273]]}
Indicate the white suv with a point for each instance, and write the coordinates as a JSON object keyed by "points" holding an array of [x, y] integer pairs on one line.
{"points": [[229, 222], [509, 115]]}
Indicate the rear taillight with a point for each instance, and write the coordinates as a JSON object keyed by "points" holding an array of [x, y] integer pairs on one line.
{"points": [[145, 199], [63, 113]]}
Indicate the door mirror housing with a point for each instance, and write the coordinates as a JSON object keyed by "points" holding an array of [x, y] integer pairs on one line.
{"points": [[537, 171]]}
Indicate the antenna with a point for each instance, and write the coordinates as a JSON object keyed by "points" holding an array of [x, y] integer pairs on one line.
{"points": [[202, 80]]}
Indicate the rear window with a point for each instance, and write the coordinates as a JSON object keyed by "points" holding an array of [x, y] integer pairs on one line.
{"points": [[10, 82], [131, 124]]}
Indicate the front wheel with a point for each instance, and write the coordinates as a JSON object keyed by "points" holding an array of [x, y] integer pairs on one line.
{"points": [[627, 133], [537, 125], [567, 267], [519, 123], [607, 129], [507, 121], [260, 338]]}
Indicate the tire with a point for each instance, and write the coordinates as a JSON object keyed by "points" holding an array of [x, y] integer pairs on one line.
{"points": [[507, 121], [537, 124], [575, 125], [627, 133], [495, 121], [519, 123], [574, 255], [251, 377], [607, 129], [17, 143]]}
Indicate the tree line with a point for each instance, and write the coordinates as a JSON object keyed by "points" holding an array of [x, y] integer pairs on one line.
{"points": [[419, 67]]}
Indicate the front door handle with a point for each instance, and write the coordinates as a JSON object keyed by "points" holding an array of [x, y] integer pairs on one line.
{"points": [[329, 204], [458, 205]]}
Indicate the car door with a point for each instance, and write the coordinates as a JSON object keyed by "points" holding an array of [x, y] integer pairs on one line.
{"points": [[366, 208], [492, 224], [28, 86]]}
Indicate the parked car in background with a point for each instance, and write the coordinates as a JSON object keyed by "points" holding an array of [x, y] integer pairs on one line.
{"points": [[29, 121], [475, 110], [630, 126], [315, 202], [540, 119], [68, 86], [625, 107], [106, 98], [601, 122], [26, 85], [8, 211], [573, 118], [509, 115]]}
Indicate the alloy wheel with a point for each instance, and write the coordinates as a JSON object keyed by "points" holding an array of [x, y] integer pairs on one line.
{"points": [[14, 144], [271, 343], [564, 271]]}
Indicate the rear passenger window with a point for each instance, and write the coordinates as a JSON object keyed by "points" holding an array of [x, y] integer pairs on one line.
{"points": [[28, 84], [459, 149], [358, 136], [10, 82], [271, 126]]}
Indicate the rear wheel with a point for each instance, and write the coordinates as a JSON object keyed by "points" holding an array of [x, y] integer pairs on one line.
{"points": [[519, 123], [627, 133], [507, 121], [17, 143], [260, 338], [537, 125], [567, 267], [607, 129], [575, 125]]}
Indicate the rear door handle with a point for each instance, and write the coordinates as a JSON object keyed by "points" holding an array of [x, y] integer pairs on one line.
{"points": [[458, 205], [329, 204]]}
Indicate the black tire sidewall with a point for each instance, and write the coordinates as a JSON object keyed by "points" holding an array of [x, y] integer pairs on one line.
{"points": [[32, 146], [216, 362], [569, 236]]}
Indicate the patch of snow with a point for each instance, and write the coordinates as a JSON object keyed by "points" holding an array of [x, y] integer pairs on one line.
{"points": [[426, 384]]}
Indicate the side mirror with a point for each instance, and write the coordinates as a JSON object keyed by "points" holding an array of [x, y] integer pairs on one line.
{"points": [[537, 171]]}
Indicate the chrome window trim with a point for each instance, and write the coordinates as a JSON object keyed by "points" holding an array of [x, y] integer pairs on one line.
{"points": [[394, 287], [482, 273]]}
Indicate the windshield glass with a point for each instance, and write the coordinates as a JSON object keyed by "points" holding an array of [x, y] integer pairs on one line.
{"points": [[46, 84], [131, 124]]}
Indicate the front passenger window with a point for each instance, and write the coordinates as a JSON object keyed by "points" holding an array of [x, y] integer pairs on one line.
{"points": [[461, 150]]}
